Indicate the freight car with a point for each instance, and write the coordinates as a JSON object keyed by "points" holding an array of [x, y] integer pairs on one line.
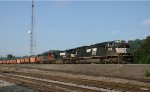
{"points": [[106, 52]]}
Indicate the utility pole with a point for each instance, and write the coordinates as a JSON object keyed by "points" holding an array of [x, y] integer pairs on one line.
{"points": [[32, 44]]}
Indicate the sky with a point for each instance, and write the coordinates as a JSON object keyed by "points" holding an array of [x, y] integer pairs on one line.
{"points": [[61, 25]]}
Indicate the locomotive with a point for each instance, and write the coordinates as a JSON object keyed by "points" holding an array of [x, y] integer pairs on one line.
{"points": [[117, 51]]}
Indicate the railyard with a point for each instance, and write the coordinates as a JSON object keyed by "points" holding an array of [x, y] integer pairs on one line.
{"points": [[77, 78], [88, 46]]}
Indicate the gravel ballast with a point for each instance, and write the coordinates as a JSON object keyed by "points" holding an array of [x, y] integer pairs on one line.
{"points": [[10, 87]]}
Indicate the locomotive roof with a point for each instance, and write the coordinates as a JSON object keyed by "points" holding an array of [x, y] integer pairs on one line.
{"points": [[93, 45], [103, 43]]}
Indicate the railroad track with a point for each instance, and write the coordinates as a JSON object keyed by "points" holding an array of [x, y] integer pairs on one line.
{"points": [[46, 85], [49, 83]]}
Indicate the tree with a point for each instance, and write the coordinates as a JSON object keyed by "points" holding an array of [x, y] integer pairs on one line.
{"points": [[134, 44], [10, 56], [142, 53]]}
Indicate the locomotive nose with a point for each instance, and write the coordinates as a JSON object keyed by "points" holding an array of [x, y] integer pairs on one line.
{"points": [[122, 50]]}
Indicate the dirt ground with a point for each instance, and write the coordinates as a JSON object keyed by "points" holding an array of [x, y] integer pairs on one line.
{"points": [[119, 76], [123, 70]]}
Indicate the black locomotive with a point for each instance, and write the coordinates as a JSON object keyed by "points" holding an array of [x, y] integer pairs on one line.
{"points": [[117, 51]]}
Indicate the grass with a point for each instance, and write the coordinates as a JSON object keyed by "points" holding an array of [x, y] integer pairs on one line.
{"points": [[147, 73]]}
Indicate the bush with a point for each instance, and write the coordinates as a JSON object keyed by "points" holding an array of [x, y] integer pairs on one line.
{"points": [[147, 73]]}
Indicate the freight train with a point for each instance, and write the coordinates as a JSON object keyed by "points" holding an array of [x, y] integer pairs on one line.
{"points": [[117, 51]]}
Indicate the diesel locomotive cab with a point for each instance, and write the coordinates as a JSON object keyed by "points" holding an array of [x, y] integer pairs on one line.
{"points": [[122, 47], [123, 50]]}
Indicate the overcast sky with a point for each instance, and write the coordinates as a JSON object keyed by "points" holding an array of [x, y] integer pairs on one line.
{"points": [[68, 24]]}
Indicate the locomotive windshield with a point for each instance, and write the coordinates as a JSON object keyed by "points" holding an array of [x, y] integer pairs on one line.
{"points": [[121, 44]]}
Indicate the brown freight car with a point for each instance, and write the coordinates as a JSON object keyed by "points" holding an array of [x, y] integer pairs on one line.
{"points": [[14, 61], [38, 59], [27, 60], [7, 61], [18, 61], [33, 60], [10, 61], [22, 60], [4, 61], [1, 61]]}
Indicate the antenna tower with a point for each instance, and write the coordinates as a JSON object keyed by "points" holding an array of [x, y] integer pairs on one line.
{"points": [[32, 32]]}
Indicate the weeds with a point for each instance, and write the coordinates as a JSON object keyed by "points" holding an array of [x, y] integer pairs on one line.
{"points": [[147, 73]]}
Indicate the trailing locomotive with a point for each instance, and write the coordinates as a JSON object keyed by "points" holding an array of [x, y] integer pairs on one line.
{"points": [[106, 52]]}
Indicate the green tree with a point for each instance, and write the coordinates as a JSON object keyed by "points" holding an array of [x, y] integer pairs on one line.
{"points": [[142, 53], [10, 56], [134, 44]]}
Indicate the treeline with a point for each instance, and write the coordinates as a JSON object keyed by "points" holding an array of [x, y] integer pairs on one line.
{"points": [[9, 56], [140, 50]]}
